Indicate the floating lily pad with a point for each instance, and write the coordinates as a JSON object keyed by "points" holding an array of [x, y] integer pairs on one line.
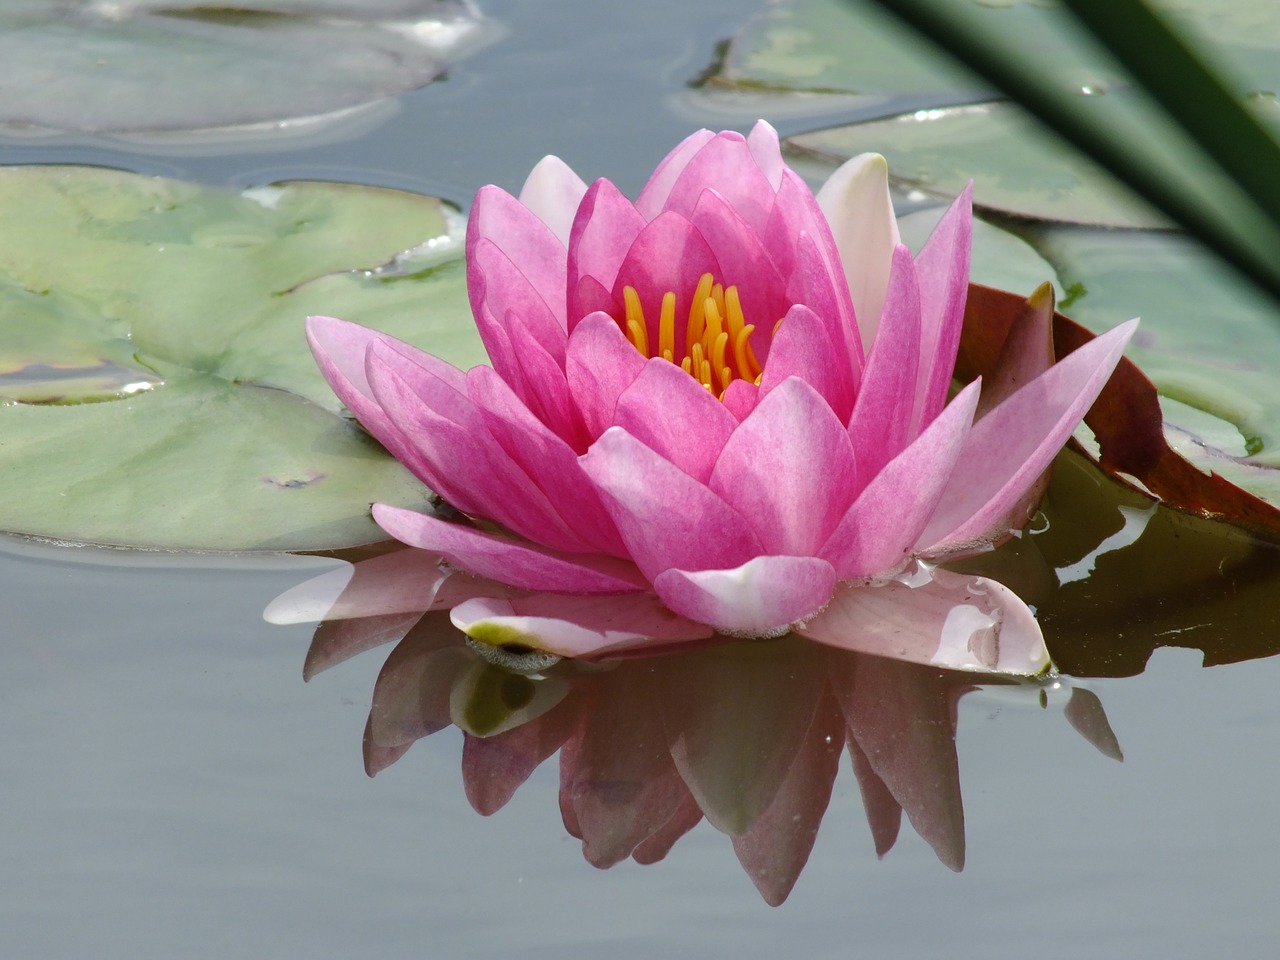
{"points": [[147, 67], [1208, 341], [854, 46], [160, 392], [1017, 169]]}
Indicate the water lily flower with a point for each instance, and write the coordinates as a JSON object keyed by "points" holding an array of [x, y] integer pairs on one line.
{"points": [[731, 393]]}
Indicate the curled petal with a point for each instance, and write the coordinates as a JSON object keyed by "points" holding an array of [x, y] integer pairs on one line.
{"points": [[604, 228], [762, 597], [525, 239], [724, 163], [600, 363], [653, 196], [802, 348]]}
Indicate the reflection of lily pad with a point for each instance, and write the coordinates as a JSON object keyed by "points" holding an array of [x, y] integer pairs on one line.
{"points": [[1016, 168], [155, 329], [151, 67], [1207, 340]]}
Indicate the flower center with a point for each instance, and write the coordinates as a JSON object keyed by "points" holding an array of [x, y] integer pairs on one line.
{"points": [[716, 347]]}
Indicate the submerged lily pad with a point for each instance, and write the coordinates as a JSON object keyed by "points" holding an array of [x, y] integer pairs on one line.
{"points": [[151, 67], [1017, 169], [152, 354]]}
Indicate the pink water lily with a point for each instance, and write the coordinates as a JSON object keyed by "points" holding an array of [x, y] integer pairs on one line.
{"points": [[731, 393]]}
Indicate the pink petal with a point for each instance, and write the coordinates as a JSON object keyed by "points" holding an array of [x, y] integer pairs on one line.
{"points": [[507, 290], [545, 390], [762, 597], [950, 620], [605, 227], [881, 422], [653, 196], [668, 255], [789, 469], [856, 202], [667, 519], [576, 625], [726, 165], [547, 461], [882, 526], [527, 242], [524, 565], [340, 348], [802, 348], [553, 191], [600, 364], [1012, 445], [658, 408], [744, 262], [471, 471], [943, 271]]}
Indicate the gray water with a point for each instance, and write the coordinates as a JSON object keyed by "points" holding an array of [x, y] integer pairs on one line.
{"points": [[172, 789]]}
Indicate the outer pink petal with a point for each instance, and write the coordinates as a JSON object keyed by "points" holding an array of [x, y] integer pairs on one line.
{"points": [[668, 255], [855, 200], [574, 625], [471, 470], [603, 230], [658, 409], [653, 196], [789, 468], [802, 348], [760, 598], [524, 565], [667, 519], [1012, 445], [950, 620], [739, 398], [547, 461], [339, 348], [881, 423], [600, 363], [877, 534], [553, 191], [943, 271], [526, 240]]}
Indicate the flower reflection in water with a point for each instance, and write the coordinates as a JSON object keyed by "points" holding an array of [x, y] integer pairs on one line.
{"points": [[746, 734]]}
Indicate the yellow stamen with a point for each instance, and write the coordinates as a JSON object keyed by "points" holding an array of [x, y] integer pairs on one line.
{"points": [[717, 340], [637, 332], [742, 354], [667, 327], [697, 317], [717, 359]]}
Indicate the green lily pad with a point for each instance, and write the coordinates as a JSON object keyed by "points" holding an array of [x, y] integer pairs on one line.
{"points": [[150, 67], [160, 391], [855, 47], [1208, 341], [1016, 168]]}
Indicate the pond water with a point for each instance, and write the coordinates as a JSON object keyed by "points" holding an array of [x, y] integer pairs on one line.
{"points": [[172, 788]]}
